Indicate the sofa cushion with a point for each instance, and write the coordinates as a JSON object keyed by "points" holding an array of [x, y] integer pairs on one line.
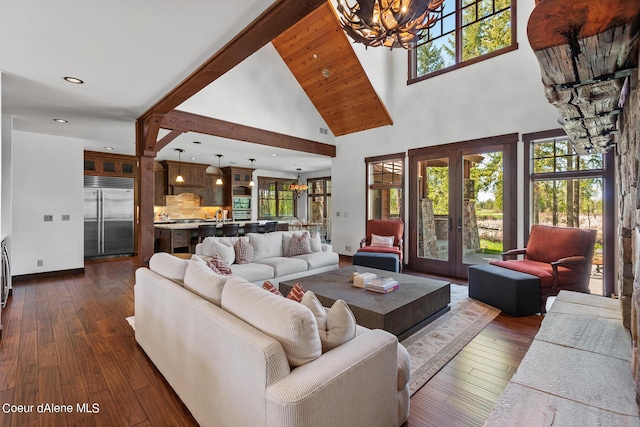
{"points": [[224, 248], [320, 259], [204, 282], [290, 323], [169, 266], [244, 252], [253, 272], [335, 326], [283, 266], [266, 245], [536, 268], [300, 245]]}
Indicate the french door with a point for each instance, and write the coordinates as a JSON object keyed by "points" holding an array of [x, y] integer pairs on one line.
{"points": [[462, 209]]}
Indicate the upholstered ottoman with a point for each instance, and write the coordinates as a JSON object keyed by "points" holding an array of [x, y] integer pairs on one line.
{"points": [[379, 260], [511, 291]]}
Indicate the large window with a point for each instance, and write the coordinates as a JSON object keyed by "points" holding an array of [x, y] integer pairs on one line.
{"points": [[275, 198], [385, 183], [319, 199], [571, 190], [467, 31]]}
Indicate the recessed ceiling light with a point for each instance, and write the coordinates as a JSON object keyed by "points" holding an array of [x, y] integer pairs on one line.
{"points": [[108, 148], [60, 120], [194, 158], [74, 80], [274, 155]]}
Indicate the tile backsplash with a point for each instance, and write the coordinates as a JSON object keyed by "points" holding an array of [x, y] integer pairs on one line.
{"points": [[185, 205]]}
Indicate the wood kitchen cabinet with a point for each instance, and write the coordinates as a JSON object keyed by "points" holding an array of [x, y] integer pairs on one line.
{"points": [[193, 174], [240, 179], [104, 164]]}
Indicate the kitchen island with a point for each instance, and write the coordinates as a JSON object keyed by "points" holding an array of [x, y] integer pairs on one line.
{"points": [[179, 236]]}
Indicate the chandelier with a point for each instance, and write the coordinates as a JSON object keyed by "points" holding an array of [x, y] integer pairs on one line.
{"points": [[390, 23], [299, 187]]}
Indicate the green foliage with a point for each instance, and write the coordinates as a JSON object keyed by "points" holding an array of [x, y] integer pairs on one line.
{"points": [[488, 177], [429, 59]]}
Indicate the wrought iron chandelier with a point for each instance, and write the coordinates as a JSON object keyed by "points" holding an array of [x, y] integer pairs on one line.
{"points": [[299, 188], [390, 23]]}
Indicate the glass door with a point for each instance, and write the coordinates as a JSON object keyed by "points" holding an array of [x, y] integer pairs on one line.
{"points": [[463, 212]]}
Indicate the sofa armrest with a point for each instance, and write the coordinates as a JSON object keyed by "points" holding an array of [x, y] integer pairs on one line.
{"points": [[353, 384], [363, 242], [570, 260], [512, 253]]}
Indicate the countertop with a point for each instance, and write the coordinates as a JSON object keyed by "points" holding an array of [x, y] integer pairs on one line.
{"points": [[194, 225]]}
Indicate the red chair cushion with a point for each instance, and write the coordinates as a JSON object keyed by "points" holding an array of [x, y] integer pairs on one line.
{"points": [[549, 244], [385, 249], [543, 270]]}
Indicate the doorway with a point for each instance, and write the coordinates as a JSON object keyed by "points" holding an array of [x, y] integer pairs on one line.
{"points": [[464, 207]]}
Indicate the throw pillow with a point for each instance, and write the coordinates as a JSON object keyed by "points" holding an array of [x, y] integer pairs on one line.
{"points": [[218, 265], [316, 243], [224, 249], [244, 252], [300, 244], [296, 293], [269, 287], [381, 240], [335, 326]]}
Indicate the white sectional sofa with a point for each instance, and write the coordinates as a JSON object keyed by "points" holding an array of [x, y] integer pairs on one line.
{"points": [[271, 261], [238, 355]]}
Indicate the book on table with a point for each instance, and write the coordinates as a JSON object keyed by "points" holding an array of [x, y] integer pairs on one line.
{"points": [[382, 284]]}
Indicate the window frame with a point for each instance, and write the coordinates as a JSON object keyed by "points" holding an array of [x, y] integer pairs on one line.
{"points": [[324, 195], [281, 184], [369, 161], [412, 54]]}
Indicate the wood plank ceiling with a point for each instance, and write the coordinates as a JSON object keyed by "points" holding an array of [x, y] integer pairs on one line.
{"points": [[321, 58], [586, 50]]}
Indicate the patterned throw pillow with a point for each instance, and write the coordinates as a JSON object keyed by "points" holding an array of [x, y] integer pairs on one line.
{"points": [[381, 240], [296, 293], [300, 244], [218, 265], [269, 286], [244, 252]]}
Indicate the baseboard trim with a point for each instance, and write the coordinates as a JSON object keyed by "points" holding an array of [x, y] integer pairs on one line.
{"points": [[46, 274]]}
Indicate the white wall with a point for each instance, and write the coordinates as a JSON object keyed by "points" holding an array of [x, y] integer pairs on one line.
{"points": [[47, 180], [493, 97]]}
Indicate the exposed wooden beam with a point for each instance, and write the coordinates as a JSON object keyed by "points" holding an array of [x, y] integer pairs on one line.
{"points": [[183, 121], [270, 24], [168, 138]]}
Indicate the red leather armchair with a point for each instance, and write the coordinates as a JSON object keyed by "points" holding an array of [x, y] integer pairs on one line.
{"points": [[384, 227], [560, 256]]}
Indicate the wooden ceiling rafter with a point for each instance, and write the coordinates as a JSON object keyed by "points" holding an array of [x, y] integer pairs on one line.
{"points": [[182, 121]]}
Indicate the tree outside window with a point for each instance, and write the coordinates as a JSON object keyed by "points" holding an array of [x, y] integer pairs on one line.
{"points": [[275, 198], [466, 30]]}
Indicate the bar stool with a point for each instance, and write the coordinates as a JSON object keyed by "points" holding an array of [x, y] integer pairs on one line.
{"points": [[230, 230], [251, 227], [270, 226], [206, 230]]}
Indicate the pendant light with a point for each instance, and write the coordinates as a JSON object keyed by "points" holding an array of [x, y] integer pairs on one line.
{"points": [[219, 180], [179, 178], [252, 183]]}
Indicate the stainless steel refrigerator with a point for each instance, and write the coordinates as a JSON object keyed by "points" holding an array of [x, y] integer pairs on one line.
{"points": [[108, 216]]}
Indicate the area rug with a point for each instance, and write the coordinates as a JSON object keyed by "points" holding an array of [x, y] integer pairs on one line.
{"points": [[434, 345]]}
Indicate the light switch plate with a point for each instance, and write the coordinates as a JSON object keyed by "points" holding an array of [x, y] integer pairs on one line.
{"points": [[66, 217], [48, 218]]}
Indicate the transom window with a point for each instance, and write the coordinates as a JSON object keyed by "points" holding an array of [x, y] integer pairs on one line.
{"points": [[466, 32]]}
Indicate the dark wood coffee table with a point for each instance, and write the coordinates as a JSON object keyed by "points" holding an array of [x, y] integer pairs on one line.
{"points": [[417, 302]]}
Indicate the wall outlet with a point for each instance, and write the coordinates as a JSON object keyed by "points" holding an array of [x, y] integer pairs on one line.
{"points": [[66, 217], [348, 248], [337, 213], [346, 214], [48, 218], [40, 263]]}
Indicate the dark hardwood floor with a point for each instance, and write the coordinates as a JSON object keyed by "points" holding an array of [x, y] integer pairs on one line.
{"points": [[66, 343]]}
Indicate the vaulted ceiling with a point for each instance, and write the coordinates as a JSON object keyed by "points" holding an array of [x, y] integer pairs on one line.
{"points": [[321, 58]]}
